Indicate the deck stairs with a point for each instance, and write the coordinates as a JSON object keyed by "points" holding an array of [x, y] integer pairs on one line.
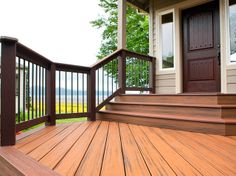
{"points": [[206, 113]]}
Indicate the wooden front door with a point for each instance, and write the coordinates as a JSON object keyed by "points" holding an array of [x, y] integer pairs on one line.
{"points": [[201, 41]]}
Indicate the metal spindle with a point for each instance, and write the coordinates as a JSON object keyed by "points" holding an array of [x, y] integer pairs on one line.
{"points": [[19, 90], [72, 92], [59, 92], [32, 91], [43, 92], [28, 91], [98, 89], [107, 80], [66, 92], [112, 65], [39, 91], [77, 92], [36, 91], [83, 92], [102, 84], [24, 97]]}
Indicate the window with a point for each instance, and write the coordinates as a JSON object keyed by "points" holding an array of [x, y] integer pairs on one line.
{"points": [[167, 41], [232, 29]]}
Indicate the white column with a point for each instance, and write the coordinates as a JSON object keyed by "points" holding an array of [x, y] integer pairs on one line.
{"points": [[224, 47], [151, 20], [122, 24]]}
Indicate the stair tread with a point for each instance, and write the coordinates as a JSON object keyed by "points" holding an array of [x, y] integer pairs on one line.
{"points": [[183, 94], [173, 104], [172, 117]]}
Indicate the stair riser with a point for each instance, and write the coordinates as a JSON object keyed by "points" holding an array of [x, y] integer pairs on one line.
{"points": [[228, 113], [169, 99], [172, 110], [181, 99], [212, 128]]}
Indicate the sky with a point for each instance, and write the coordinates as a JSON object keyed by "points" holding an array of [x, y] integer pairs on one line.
{"points": [[60, 30]]}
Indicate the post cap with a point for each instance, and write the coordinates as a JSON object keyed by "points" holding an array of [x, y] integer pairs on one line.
{"points": [[8, 39]]}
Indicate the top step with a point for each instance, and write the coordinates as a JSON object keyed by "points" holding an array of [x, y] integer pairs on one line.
{"points": [[209, 98]]}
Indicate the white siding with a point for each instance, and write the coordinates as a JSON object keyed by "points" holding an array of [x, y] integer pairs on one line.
{"points": [[166, 84], [231, 81]]}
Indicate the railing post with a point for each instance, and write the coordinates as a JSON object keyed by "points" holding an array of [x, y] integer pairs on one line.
{"points": [[8, 91], [51, 95], [152, 76], [122, 71], [92, 95]]}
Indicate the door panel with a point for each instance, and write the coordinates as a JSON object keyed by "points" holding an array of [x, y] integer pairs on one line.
{"points": [[200, 48]]}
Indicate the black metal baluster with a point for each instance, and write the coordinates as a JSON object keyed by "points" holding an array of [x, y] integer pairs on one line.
{"points": [[24, 97], [147, 70], [117, 80], [83, 92], [98, 89], [59, 92], [140, 73], [108, 80], [43, 92], [77, 92], [66, 91], [102, 84], [112, 66], [28, 91], [39, 91], [18, 93], [72, 92], [36, 91], [33, 90]]}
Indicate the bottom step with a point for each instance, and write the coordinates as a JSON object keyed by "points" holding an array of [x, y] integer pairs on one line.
{"points": [[204, 125]]}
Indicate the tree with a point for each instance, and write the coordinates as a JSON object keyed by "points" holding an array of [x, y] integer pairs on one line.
{"points": [[137, 29], [137, 39]]}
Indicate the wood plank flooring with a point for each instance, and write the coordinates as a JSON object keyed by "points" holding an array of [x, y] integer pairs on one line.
{"points": [[119, 149]]}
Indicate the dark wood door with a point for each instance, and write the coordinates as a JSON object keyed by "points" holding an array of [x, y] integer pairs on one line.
{"points": [[201, 41]]}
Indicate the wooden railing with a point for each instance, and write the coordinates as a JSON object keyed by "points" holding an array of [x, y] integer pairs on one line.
{"points": [[35, 90]]}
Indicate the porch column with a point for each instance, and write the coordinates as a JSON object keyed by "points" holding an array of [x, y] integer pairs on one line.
{"points": [[122, 23], [8, 90]]}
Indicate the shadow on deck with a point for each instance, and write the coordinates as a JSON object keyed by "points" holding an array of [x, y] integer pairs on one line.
{"points": [[110, 148]]}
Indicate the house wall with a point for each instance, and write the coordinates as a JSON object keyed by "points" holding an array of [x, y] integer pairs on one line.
{"points": [[231, 80], [171, 81], [165, 83]]}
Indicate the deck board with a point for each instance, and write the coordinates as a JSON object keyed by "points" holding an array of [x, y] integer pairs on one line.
{"points": [[221, 164], [203, 166], [47, 146], [155, 162], [70, 163], [113, 158], [176, 161], [27, 148], [56, 154], [112, 148], [133, 160], [95, 153]]}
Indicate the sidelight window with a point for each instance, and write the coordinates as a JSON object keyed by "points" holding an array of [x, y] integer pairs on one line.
{"points": [[167, 40], [232, 29]]}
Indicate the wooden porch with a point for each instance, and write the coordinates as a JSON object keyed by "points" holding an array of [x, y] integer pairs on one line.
{"points": [[110, 148]]}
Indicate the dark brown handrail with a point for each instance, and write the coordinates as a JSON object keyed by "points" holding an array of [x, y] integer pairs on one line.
{"points": [[72, 68], [112, 84], [24, 52]]}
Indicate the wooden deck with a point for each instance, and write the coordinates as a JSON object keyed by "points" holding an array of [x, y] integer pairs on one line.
{"points": [[110, 148]]}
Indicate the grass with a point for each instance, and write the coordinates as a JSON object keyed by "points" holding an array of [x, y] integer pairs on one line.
{"points": [[70, 107]]}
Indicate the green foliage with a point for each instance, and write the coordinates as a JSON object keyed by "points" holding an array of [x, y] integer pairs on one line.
{"points": [[137, 41], [137, 29]]}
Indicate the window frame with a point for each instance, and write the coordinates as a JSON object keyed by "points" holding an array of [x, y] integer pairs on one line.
{"points": [[229, 61], [159, 49]]}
